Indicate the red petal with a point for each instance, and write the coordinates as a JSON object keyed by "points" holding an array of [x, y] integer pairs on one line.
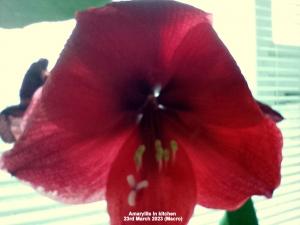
{"points": [[6, 133], [269, 112], [231, 165], [206, 80], [113, 52], [170, 190], [27, 118], [66, 166]]}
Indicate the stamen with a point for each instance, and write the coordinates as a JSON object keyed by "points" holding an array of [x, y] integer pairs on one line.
{"points": [[135, 188], [138, 156], [159, 153], [174, 147], [159, 150], [162, 156], [166, 155]]}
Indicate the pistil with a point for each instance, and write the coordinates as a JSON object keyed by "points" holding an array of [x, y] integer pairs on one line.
{"points": [[135, 188], [156, 154], [151, 132]]}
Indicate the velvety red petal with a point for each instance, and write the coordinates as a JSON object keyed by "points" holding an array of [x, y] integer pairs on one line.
{"points": [[64, 165], [207, 81], [170, 190], [230, 165], [6, 133], [112, 60], [270, 113], [27, 118]]}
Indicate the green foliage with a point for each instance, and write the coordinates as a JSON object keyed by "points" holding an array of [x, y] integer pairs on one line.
{"points": [[20, 13], [243, 216]]}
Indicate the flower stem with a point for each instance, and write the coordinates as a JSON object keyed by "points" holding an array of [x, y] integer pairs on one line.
{"points": [[245, 215]]}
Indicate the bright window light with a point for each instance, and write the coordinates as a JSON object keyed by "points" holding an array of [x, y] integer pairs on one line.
{"points": [[286, 22]]}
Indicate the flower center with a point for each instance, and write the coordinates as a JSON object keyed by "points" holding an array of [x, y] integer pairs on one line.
{"points": [[157, 153], [153, 153]]}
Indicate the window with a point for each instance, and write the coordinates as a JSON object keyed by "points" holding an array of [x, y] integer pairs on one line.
{"points": [[286, 22], [278, 84]]}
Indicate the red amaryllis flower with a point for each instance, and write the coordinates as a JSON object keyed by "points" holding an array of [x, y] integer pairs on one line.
{"points": [[147, 109]]}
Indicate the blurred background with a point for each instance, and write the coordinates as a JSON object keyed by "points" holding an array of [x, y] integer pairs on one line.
{"points": [[264, 38]]}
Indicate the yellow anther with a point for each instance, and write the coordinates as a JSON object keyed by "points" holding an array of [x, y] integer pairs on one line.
{"points": [[138, 154], [157, 144], [141, 149], [174, 146], [137, 159], [166, 155], [159, 154], [159, 150]]}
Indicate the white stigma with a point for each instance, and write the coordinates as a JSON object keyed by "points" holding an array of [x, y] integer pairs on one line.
{"points": [[135, 188], [131, 180]]}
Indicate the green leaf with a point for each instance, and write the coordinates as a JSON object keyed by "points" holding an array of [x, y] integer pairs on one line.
{"points": [[245, 215], [20, 13]]}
